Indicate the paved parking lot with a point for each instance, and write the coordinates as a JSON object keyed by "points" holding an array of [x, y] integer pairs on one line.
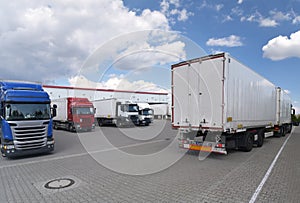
{"points": [[143, 164]]}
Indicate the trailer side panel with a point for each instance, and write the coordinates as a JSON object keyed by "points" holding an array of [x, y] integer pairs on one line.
{"points": [[251, 99]]}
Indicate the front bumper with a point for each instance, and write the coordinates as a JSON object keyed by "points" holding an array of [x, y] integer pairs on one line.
{"points": [[80, 127], [8, 150]]}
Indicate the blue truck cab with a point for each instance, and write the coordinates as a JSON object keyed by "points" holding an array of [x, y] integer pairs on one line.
{"points": [[25, 119]]}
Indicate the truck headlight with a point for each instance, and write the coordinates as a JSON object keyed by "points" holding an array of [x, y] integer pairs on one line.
{"points": [[50, 142], [7, 147]]}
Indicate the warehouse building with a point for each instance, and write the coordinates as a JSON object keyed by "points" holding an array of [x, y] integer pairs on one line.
{"points": [[157, 100]]}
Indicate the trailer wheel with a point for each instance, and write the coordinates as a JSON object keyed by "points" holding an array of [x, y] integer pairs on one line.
{"points": [[260, 138], [284, 130], [281, 132], [290, 128], [248, 142], [55, 126], [100, 122]]}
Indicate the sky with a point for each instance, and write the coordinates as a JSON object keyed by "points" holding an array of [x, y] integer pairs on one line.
{"points": [[131, 44]]}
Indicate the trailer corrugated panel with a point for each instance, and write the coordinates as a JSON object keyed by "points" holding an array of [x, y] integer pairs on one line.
{"points": [[250, 98], [219, 93], [62, 109], [284, 104], [106, 108]]}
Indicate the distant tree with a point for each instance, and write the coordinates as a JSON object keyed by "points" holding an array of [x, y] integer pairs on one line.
{"points": [[295, 118]]}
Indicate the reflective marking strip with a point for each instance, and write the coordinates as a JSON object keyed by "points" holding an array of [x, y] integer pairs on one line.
{"points": [[259, 188], [201, 148]]}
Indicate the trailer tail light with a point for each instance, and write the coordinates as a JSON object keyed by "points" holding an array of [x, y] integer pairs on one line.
{"points": [[220, 145]]}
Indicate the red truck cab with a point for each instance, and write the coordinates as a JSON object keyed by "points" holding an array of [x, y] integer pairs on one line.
{"points": [[74, 114]]}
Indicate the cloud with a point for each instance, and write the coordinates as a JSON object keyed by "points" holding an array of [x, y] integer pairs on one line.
{"points": [[172, 8], [227, 18], [117, 83], [280, 16], [51, 41], [182, 15], [267, 22], [231, 41], [216, 7], [135, 58], [240, 1], [274, 19], [282, 47], [136, 52], [262, 21], [296, 20]]}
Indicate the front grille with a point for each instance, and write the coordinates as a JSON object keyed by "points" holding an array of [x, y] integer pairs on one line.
{"points": [[134, 118], [86, 121], [30, 137]]}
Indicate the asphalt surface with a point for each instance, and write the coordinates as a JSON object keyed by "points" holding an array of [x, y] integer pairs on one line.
{"points": [[144, 164]]}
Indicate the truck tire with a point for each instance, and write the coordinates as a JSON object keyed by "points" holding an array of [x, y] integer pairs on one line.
{"points": [[100, 122], [283, 131], [260, 138], [248, 142], [70, 127], [290, 128], [119, 123]]}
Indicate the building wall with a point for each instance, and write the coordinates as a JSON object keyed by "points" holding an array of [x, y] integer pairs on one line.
{"points": [[57, 92]]}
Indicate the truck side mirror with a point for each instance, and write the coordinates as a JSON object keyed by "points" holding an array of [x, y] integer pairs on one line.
{"points": [[293, 112], [54, 110]]}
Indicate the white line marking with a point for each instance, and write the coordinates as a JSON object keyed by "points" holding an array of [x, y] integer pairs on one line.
{"points": [[126, 146], [80, 154], [259, 188]]}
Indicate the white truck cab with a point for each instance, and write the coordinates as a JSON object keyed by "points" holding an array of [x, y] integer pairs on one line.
{"points": [[145, 114]]}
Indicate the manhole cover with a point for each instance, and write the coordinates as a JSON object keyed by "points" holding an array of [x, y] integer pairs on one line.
{"points": [[59, 183]]}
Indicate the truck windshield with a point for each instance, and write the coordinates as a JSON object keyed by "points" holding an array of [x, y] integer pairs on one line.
{"points": [[27, 112], [146, 112], [83, 110], [132, 108]]}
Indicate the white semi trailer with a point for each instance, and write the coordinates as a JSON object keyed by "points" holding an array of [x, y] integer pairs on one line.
{"points": [[116, 111], [218, 104]]}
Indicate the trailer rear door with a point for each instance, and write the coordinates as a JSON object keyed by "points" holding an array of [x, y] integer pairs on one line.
{"points": [[197, 93]]}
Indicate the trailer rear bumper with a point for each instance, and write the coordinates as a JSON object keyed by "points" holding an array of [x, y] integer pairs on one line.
{"points": [[203, 146]]}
